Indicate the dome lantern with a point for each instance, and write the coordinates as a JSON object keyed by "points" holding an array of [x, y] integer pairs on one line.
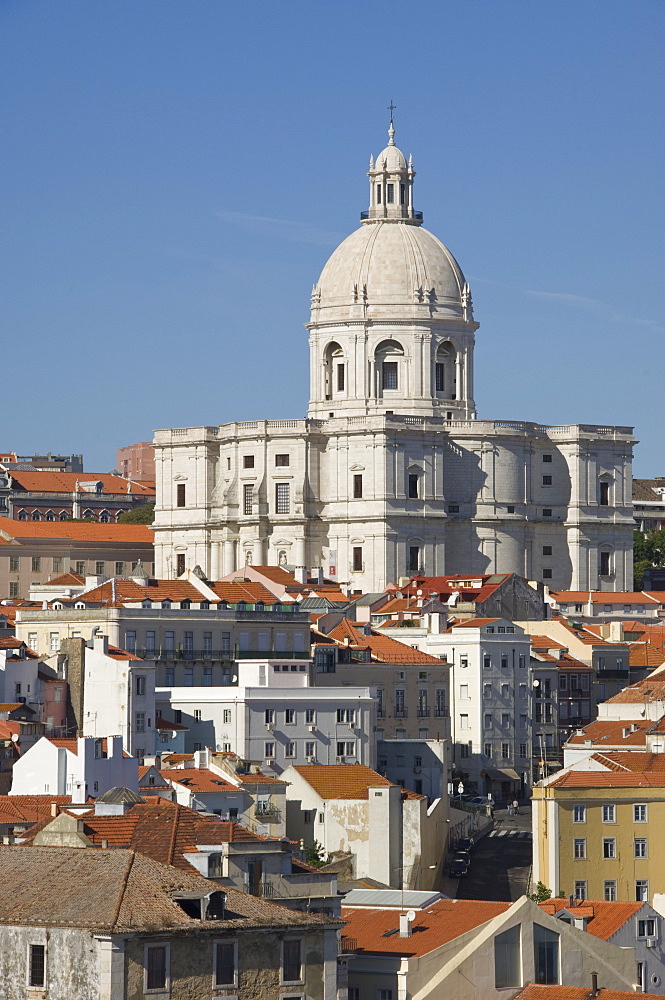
{"points": [[391, 186]]}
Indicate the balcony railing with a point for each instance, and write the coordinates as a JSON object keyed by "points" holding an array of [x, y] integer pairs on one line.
{"points": [[347, 945], [271, 654], [423, 713], [269, 813], [401, 713], [441, 713], [165, 655], [264, 889]]}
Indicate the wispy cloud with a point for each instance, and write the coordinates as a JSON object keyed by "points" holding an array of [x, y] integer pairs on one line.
{"points": [[281, 229], [594, 306]]}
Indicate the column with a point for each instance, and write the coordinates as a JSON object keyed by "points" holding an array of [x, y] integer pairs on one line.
{"points": [[257, 553], [459, 388], [214, 560], [228, 560]]}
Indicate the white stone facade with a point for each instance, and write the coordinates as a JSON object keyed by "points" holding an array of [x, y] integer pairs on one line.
{"points": [[392, 474]]}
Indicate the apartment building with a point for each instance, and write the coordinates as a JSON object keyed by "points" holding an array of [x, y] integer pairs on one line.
{"points": [[35, 495], [596, 827]]}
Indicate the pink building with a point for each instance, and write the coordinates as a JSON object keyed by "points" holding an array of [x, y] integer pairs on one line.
{"points": [[137, 462]]}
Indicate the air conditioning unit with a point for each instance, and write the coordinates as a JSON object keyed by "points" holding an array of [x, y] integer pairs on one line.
{"points": [[340, 760], [311, 760], [650, 942], [270, 726], [416, 770], [312, 729], [270, 762]]}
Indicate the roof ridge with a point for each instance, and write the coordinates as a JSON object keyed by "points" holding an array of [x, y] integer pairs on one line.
{"points": [[123, 889]]}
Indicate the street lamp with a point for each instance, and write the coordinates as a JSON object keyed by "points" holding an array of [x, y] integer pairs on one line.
{"points": [[460, 792]]}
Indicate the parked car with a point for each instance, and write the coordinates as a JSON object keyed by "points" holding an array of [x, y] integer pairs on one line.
{"points": [[480, 800], [463, 856], [464, 844], [458, 869]]}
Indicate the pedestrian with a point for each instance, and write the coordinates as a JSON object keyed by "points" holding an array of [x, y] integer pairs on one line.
{"points": [[515, 806], [510, 809]]}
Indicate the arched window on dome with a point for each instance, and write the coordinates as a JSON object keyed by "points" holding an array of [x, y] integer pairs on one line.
{"points": [[388, 366], [444, 371], [334, 371]]}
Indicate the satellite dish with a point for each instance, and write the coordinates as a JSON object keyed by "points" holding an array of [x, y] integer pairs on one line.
{"points": [[410, 914]]}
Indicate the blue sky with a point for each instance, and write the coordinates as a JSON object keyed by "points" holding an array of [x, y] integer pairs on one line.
{"points": [[176, 172]]}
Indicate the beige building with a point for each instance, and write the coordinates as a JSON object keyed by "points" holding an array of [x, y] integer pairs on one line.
{"points": [[36, 552], [597, 827]]}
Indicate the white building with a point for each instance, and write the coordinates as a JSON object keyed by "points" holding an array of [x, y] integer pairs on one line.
{"points": [[285, 723], [80, 767], [391, 473]]}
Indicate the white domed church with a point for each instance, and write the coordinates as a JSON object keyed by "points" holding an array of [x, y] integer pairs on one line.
{"points": [[392, 474]]}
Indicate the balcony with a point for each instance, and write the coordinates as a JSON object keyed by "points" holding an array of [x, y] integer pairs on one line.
{"points": [[263, 889], [441, 713], [347, 945], [423, 713], [271, 654], [166, 655], [401, 713], [268, 813]]}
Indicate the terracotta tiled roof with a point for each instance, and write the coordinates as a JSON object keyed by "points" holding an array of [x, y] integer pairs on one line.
{"points": [[79, 531], [166, 724], [341, 781], [72, 744], [625, 769], [646, 691], [22, 809], [66, 482], [383, 648], [374, 930], [173, 759], [642, 654], [610, 732], [602, 597], [66, 580], [260, 779], [534, 992], [128, 592], [198, 779], [605, 918]]}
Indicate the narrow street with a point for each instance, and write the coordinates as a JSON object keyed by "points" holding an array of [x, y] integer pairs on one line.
{"points": [[500, 863]]}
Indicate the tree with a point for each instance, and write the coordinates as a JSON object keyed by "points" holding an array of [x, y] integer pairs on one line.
{"points": [[315, 856], [138, 515], [542, 893], [648, 552]]}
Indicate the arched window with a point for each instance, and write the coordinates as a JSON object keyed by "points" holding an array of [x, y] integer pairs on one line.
{"points": [[36, 516], [22, 516], [444, 371], [64, 516], [388, 361], [334, 367], [50, 516], [88, 513], [104, 517]]}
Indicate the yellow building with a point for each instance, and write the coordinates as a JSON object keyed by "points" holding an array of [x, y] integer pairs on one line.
{"points": [[597, 827]]}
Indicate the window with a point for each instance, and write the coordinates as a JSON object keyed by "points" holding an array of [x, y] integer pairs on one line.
{"points": [[507, 964], [140, 684], [226, 642], [510, 509], [290, 749], [197, 715], [546, 955], [414, 559], [413, 487], [440, 376], [605, 564], [14, 588], [282, 461], [604, 494], [357, 486], [547, 574], [54, 642], [189, 676], [100, 568], [119, 568], [523, 721], [310, 716], [225, 963], [547, 480], [639, 812], [14, 564], [390, 194], [291, 961], [580, 890], [130, 641], [642, 890], [389, 374], [247, 498], [37, 971], [505, 721], [487, 662], [547, 511], [609, 813], [610, 890], [353, 993], [226, 717], [384, 994], [579, 848], [646, 928], [357, 559], [523, 751], [36, 516], [140, 722], [464, 721], [609, 847], [290, 716], [36, 564], [579, 814], [269, 749], [156, 967], [505, 750], [487, 749], [282, 498], [169, 677], [310, 749], [547, 550], [547, 458], [504, 661], [640, 847], [180, 495], [248, 461], [453, 508]]}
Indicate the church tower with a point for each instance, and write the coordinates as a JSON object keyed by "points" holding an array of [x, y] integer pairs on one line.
{"points": [[391, 327]]}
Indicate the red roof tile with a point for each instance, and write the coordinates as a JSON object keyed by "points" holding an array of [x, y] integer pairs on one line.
{"points": [[605, 918], [67, 482], [383, 648], [79, 531]]}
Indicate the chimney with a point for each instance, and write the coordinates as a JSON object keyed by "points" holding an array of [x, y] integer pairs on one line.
{"points": [[55, 809], [594, 984], [105, 844], [405, 924], [101, 643]]}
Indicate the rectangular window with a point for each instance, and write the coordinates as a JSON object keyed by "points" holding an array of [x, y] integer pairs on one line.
{"points": [[547, 480], [310, 749], [357, 559], [487, 749], [579, 814], [642, 890], [150, 638], [604, 564], [609, 813], [130, 641], [580, 889], [226, 642], [207, 677], [282, 461], [340, 377], [440, 376], [390, 194], [290, 716], [310, 716], [610, 890], [140, 684], [640, 847], [100, 568], [14, 564], [282, 498], [413, 487], [547, 511], [14, 588], [464, 721], [414, 559], [54, 642], [505, 721], [269, 749], [504, 661], [198, 715], [119, 568], [646, 928], [225, 963], [357, 486], [180, 495], [156, 971], [248, 461], [604, 494], [36, 564], [523, 751], [291, 961], [547, 458], [547, 550], [389, 374], [640, 812], [547, 574], [169, 677], [609, 847], [507, 964], [140, 722], [37, 972], [579, 848], [546, 955], [247, 498], [189, 677], [226, 717], [290, 749], [505, 750]]}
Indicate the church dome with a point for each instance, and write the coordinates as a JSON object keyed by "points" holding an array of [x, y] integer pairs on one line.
{"points": [[392, 264], [391, 158]]}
